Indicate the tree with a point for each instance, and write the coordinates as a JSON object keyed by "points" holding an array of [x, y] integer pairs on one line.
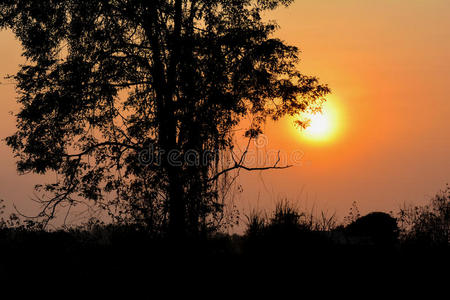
{"points": [[138, 99]]}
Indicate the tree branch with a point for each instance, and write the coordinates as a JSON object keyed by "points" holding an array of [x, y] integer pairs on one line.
{"points": [[242, 166], [87, 151]]}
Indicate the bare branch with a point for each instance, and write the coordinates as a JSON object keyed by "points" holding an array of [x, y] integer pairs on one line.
{"points": [[87, 151], [242, 166]]}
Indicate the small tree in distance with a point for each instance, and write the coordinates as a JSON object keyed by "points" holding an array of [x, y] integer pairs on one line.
{"points": [[429, 224], [133, 103]]}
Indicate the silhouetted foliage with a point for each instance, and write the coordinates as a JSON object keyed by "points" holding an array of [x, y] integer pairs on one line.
{"points": [[428, 225], [287, 230], [284, 243], [377, 227], [132, 103], [353, 214]]}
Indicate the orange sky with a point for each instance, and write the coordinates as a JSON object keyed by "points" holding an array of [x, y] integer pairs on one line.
{"points": [[388, 65]]}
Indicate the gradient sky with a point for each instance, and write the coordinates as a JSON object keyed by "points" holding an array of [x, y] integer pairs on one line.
{"points": [[388, 65]]}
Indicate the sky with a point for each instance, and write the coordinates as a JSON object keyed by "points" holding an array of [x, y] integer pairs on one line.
{"points": [[388, 66]]}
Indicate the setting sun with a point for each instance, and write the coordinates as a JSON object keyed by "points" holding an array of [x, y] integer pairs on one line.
{"points": [[320, 125], [323, 126]]}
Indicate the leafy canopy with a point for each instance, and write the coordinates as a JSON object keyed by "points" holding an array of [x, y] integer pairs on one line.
{"points": [[108, 79]]}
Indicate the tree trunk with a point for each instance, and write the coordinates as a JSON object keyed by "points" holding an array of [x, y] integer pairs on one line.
{"points": [[177, 203], [177, 206]]}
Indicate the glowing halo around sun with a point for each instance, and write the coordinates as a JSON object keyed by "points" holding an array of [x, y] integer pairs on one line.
{"points": [[323, 126]]}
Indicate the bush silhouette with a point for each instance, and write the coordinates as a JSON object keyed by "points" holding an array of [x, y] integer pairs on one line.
{"points": [[427, 225], [376, 228]]}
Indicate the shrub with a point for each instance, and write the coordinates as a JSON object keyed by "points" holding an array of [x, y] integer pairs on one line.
{"points": [[377, 227], [427, 225]]}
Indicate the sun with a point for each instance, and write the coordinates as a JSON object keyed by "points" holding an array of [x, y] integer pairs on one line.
{"points": [[323, 126], [319, 125]]}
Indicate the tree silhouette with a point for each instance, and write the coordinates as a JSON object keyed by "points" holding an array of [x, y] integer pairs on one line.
{"points": [[133, 103], [429, 224]]}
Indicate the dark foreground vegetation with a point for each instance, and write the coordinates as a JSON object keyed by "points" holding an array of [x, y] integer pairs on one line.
{"points": [[291, 241]]}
